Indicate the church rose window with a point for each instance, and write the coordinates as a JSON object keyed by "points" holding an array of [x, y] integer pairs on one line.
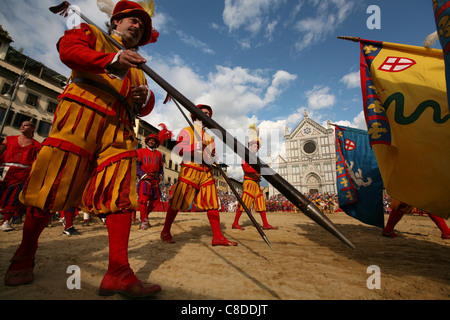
{"points": [[309, 147]]}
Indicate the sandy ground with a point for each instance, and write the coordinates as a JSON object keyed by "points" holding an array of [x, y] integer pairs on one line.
{"points": [[305, 262]]}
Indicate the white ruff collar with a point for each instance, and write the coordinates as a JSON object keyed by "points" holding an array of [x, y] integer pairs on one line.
{"points": [[117, 33]]}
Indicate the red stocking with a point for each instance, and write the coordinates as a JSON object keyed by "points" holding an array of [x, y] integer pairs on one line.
{"points": [[118, 225], [35, 222], [237, 217], [68, 220], [170, 217], [394, 217], [440, 222], [7, 217], [20, 270], [264, 218], [143, 211], [214, 220], [120, 278], [218, 238], [150, 206]]}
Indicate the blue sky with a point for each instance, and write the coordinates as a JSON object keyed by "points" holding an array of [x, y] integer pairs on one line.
{"points": [[254, 61]]}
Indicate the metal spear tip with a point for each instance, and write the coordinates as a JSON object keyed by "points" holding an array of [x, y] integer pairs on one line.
{"points": [[266, 240], [315, 214]]}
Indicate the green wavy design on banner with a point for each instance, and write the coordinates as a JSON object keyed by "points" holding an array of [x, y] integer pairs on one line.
{"points": [[400, 117]]}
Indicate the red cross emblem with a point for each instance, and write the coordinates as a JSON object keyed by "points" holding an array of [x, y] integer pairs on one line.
{"points": [[396, 64], [349, 145]]}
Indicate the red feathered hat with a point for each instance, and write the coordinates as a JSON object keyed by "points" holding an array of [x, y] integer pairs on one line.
{"points": [[152, 136], [126, 8]]}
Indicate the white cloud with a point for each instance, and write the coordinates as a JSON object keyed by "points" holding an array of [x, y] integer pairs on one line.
{"points": [[161, 21], [244, 13], [358, 122], [270, 29], [280, 80], [318, 101], [351, 80], [320, 98], [251, 15], [329, 15], [194, 42]]}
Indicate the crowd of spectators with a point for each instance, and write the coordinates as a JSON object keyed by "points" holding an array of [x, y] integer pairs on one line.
{"points": [[326, 202]]}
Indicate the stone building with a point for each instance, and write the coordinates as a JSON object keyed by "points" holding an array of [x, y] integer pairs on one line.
{"points": [[310, 163], [28, 91]]}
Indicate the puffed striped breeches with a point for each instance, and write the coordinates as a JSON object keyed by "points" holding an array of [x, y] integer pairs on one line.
{"points": [[252, 195], [89, 160], [194, 180]]}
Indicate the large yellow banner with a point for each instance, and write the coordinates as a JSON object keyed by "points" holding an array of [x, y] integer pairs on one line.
{"points": [[407, 115]]}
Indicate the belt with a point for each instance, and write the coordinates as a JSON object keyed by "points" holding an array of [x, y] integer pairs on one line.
{"points": [[10, 164], [123, 101]]}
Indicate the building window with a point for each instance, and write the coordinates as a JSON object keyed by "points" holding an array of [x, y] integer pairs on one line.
{"points": [[2, 116], [19, 118], [32, 100], [5, 88], [44, 128], [51, 107]]}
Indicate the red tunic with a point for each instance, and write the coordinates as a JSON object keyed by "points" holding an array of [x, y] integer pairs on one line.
{"points": [[15, 168], [149, 162]]}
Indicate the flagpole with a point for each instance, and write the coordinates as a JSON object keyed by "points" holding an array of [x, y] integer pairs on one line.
{"points": [[353, 39]]}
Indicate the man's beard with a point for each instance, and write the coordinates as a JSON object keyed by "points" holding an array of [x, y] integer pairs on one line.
{"points": [[129, 37]]}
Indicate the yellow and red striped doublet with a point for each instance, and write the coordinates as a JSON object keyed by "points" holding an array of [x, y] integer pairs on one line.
{"points": [[196, 180], [252, 194]]}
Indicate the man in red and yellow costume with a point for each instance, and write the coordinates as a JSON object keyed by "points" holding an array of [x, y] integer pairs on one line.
{"points": [[196, 181], [17, 154], [252, 194], [150, 171], [89, 157]]}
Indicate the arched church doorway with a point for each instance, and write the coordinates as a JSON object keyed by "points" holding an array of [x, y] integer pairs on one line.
{"points": [[313, 183]]}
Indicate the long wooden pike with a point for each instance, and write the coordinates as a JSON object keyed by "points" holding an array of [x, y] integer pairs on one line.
{"points": [[286, 189], [238, 197]]}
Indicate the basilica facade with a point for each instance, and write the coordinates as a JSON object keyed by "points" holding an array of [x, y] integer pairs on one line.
{"points": [[310, 162]]}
